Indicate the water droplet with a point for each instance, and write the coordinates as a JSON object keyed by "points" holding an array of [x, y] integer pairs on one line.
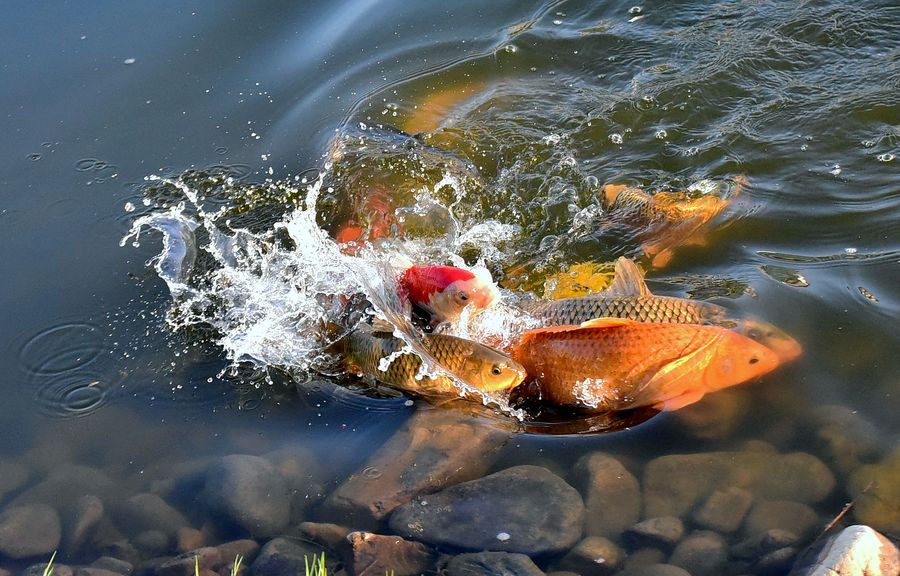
{"points": [[835, 170], [557, 22], [502, 536], [129, 61], [885, 157], [850, 251], [129, 207], [34, 156], [635, 10], [615, 138], [511, 48]]}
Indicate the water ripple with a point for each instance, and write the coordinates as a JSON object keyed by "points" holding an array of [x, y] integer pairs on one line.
{"points": [[72, 394], [62, 348]]}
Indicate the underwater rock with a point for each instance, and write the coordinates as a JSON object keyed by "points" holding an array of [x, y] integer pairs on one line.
{"points": [[39, 568], [855, 551], [329, 535], [702, 553], [724, 510], [654, 570], [793, 517], [593, 555], [284, 557], [247, 493], [81, 522], [94, 571], [29, 530], [147, 511], [247, 549], [492, 564], [844, 437], [715, 417], [376, 555], [189, 538], [872, 488], [759, 545], [13, 476], [303, 476], [184, 564], [498, 513], [435, 449], [674, 484], [113, 565], [612, 495], [68, 483], [152, 542], [662, 532], [776, 562]]}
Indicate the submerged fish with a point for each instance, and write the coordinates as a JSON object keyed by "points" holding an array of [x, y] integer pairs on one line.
{"points": [[664, 220], [443, 292], [479, 366], [617, 364], [626, 297]]}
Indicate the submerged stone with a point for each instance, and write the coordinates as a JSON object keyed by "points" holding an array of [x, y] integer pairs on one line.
{"points": [[524, 509], [724, 510], [285, 557], [593, 555], [146, 511], [82, 521], [434, 450], [844, 437], [702, 553], [30, 530], [663, 532], [13, 476], [855, 551], [872, 487], [612, 496], [376, 555], [654, 570], [247, 493], [793, 517], [492, 564]]}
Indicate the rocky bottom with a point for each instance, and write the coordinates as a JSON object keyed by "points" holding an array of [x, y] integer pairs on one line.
{"points": [[436, 499]]}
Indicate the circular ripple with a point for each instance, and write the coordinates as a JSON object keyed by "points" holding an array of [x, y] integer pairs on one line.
{"points": [[62, 348], [77, 394]]}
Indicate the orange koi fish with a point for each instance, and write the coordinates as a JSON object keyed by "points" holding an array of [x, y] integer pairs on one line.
{"points": [[617, 364]]}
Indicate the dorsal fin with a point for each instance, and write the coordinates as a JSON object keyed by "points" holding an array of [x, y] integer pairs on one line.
{"points": [[628, 280], [594, 323]]}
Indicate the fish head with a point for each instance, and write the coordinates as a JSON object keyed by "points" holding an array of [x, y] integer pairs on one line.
{"points": [[489, 370], [771, 336], [445, 291], [736, 359]]}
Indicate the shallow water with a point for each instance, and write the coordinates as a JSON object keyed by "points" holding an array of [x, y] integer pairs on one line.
{"points": [[557, 98]]}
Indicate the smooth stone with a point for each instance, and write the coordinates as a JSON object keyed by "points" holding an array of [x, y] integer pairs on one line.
{"points": [[82, 521], [113, 565], [776, 562], [492, 564], [793, 517], [189, 538], [663, 532], [38, 570], [283, 557], [845, 437], [761, 544], [247, 549], [143, 512], [874, 485], [376, 555], [435, 449], [554, 573], [593, 555], [302, 475], [152, 542], [524, 509], [702, 553], [675, 484], [329, 535], [645, 556], [724, 510], [716, 417], [93, 571], [207, 558], [654, 570], [246, 493], [66, 484], [13, 476], [612, 495], [855, 551], [29, 530]]}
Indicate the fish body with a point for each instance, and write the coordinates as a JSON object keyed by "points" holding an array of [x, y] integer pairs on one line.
{"points": [[617, 364], [479, 366], [443, 292], [627, 297]]}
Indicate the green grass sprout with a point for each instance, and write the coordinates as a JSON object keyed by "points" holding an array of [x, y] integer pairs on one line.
{"points": [[236, 567], [317, 568], [48, 570]]}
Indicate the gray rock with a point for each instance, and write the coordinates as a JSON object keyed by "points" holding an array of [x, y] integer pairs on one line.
{"points": [[283, 557], [845, 437], [612, 495], [152, 542], [654, 570], [492, 564], [674, 484], [246, 549], [67, 484], [645, 556], [663, 532], [855, 551], [113, 565], [376, 555], [29, 530], [702, 553], [761, 544], [329, 535], [793, 517], [38, 570], [521, 509], [436, 449], [93, 571], [185, 564], [13, 476], [143, 512], [724, 510], [776, 562], [81, 522], [593, 555], [247, 494]]}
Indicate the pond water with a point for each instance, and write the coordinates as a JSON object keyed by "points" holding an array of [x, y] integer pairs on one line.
{"points": [[524, 110]]}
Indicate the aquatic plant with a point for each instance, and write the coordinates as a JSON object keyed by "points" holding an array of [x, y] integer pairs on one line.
{"points": [[48, 570], [236, 567], [317, 568]]}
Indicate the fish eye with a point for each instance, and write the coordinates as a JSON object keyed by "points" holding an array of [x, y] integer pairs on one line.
{"points": [[754, 333], [754, 360], [462, 295], [497, 369]]}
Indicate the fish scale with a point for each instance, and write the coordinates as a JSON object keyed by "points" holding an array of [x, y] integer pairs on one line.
{"points": [[663, 309]]}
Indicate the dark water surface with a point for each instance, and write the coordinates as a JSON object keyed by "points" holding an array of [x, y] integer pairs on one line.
{"points": [[802, 97]]}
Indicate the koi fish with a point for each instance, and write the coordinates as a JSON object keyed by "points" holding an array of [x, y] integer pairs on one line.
{"points": [[664, 220], [617, 364], [479, 366], [443, 292]]}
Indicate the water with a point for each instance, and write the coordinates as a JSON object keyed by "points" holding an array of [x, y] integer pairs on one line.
{"points": [[525, 109]]}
